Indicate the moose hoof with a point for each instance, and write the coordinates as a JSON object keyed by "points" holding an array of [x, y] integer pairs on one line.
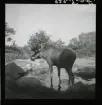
{"points": [[51, 86], [69, 84], [59, 89]]}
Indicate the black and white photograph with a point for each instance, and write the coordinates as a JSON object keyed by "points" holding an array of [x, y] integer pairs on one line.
{"points": [[50, 51]]}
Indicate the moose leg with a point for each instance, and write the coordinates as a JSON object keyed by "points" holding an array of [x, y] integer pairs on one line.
{"points": [[50, 67], [71, 76], [59, 87]]}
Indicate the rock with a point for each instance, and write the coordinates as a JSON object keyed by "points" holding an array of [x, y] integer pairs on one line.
{"points": [[29, 66], [74, 70], [13, 70], [32, 88], [80, 91], [86, 73], [87, 69]]}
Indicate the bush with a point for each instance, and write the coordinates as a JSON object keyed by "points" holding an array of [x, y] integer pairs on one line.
{"points": [[12, 56], [84, 45], [12, 53]]}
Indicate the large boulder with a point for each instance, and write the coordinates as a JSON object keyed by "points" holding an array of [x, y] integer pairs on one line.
{"points": [[80, 91], [30, 87], [14, 86], [86, 73], [12, 70]]}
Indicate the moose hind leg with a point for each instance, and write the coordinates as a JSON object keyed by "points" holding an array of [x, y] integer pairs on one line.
{"points": [[71, 76], [50, 67], [51, 81], [59, 86]]}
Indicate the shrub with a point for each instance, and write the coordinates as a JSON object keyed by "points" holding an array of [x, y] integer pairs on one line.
{"points": [[12, 56]]}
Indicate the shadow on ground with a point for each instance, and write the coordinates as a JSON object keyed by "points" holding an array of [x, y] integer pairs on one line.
{"points": [[31, 88]]}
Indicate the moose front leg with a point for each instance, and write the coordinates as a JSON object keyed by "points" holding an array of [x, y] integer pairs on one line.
{"points": [[59, 86], [51, 69]]}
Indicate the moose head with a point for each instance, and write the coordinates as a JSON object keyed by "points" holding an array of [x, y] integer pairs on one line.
{"points": [[37, 53]]}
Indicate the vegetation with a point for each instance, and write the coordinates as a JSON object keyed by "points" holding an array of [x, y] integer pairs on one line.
{"points": [[83, 45], [30, 87], [39, 38], [12, 51], [9, 32]]}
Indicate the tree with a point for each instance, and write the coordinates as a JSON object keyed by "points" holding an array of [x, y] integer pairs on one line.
{"points": [[59, 43], [14, 44], [8, 32], [27, 49], [74, 44], [37, 39], [84, 44]]}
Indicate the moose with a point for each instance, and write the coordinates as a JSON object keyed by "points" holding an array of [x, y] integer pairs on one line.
{"points": [[59, 57]]}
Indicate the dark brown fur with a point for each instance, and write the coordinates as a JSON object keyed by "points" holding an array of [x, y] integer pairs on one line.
{"points": [[61, 58]]}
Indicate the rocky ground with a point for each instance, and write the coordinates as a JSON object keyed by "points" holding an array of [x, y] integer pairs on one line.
{"points": [[41, 71], [83, 69]]}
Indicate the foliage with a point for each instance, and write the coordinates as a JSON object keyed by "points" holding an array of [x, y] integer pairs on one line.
{"points": [[59, 43], [37, 39], [84, 45], [9, 31], [11, 49], [12, 53], [15, 55]]}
